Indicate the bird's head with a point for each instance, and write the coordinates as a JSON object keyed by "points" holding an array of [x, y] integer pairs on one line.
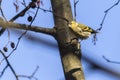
{"points": [[72, 24]]}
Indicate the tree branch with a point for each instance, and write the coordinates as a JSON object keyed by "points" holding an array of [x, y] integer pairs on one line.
{"points": [[22, 13], [30, 76], [50, 31], [8, 64]]}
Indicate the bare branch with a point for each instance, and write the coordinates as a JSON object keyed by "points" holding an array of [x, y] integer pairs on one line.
{"points": [[111, 61], [32, 75], [22, 13], [75, 4], [35, 71], [106, 12], [9, 65], [49, 31], [104, 17], [24, 33], [26, 27], [24, 3], [17, 43], [2, 11], [34, 17], [14, 73], [61, 17], [3, 71]]}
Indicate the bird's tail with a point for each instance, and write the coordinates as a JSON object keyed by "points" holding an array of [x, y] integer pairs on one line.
{"points": [[94, 31]]}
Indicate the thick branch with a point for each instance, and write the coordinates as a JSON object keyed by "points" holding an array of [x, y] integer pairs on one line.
{"points": [[5, 24], [71, 62]]}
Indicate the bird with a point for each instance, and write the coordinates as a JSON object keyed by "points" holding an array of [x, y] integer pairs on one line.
{"points": [[81, 31]]}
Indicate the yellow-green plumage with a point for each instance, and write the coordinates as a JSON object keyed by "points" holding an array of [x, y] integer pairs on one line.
{"points": [[82, 31]]}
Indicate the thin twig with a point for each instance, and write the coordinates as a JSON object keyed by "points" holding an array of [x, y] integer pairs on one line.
{"points": [[2, 61], [22, 13], [110, 60], [103, 20], [8, 63], [2, 73], [2, 11], [24, 3], [34, 17], [75, 4], [106, 12], [17, 44], [24, 33], [32, 75], [45, 10]]}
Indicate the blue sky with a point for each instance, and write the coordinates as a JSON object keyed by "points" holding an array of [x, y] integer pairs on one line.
{"points": [[42, 50]]}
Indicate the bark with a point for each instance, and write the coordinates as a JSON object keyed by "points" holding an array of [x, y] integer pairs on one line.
{"points": [[67, 41]]}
